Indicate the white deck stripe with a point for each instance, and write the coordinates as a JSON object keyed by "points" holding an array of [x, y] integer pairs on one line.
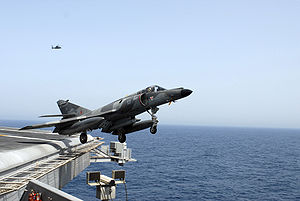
{"points": [[25, 131], [28, 138]]}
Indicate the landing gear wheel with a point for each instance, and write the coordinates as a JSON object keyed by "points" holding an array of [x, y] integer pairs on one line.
{"points": [[153, 129], [122, 138], [83, 138]]}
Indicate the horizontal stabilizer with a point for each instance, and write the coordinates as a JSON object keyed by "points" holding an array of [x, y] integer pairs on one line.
{"points": [[68, 120], [45, 125], [28, 127], [59, 115]]}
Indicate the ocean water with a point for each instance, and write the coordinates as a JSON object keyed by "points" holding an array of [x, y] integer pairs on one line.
{"points": [[203, 163]]}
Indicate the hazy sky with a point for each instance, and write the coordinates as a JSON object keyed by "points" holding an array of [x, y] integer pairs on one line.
{"points": [[241, 58]]}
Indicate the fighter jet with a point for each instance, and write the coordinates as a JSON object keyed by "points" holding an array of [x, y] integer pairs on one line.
{"points": [[57, 47], [118, 117]]}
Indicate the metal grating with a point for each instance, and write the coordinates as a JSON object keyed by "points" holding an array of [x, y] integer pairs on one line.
{"points": [[21, 178]]}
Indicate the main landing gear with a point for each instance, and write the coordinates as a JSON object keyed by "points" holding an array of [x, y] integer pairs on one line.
{"points": [[153, 128], [122, 137], [83, 137]]}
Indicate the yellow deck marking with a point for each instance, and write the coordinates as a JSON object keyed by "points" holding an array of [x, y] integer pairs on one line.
{"points": [[3, 135]]}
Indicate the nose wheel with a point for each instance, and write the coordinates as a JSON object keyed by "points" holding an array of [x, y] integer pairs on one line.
{"points": [[83, 138], [153, 129]]}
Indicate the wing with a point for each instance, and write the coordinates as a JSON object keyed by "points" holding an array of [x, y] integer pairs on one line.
{"points": [[69, 120]]}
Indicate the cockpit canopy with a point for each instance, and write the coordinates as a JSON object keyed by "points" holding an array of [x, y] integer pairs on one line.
{"points": [[154, 88]]}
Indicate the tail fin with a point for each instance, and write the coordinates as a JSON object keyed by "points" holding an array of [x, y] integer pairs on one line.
{"points": [[71, 109]]}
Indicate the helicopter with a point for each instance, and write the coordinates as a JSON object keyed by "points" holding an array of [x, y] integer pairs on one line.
{"points": [[57, 47]]}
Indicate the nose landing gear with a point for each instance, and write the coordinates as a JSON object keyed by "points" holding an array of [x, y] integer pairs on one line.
{"points": [[153, 128]]}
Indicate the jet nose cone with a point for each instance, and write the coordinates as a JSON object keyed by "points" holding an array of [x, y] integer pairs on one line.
{"points": [[185, 92]]}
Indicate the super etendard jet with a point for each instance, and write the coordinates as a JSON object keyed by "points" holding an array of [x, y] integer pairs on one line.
{"points": [[117, 117]]}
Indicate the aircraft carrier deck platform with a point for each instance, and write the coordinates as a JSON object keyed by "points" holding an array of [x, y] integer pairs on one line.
{"points": [[51, 159]]}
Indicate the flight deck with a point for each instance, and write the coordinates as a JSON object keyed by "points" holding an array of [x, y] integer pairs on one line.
{"points": [[32, 156]]}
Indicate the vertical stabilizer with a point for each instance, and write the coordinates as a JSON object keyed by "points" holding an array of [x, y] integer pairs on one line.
{"points": [[71, 109]]}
